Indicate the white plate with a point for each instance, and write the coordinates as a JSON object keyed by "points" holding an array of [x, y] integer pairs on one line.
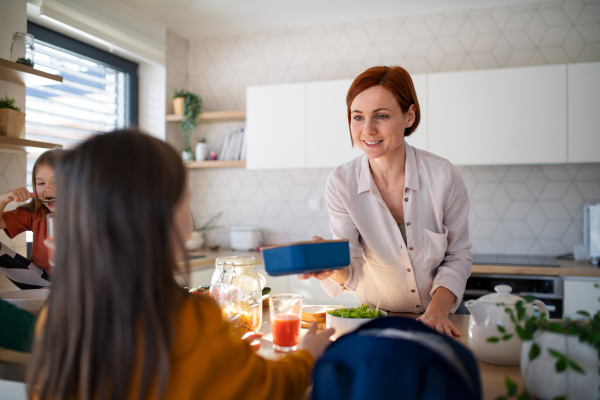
{"points": [[29, 300]]}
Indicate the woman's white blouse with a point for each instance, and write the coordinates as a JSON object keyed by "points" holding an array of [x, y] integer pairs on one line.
{"points": [[403, 278]]}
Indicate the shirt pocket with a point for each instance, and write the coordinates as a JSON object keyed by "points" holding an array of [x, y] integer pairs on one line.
{"points": [[436, 245]]}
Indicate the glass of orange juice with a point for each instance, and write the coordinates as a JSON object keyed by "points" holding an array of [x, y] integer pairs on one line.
{"points": [[286, 310]]}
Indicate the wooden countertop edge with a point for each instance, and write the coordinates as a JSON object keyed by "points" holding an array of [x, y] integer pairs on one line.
{"points": [[567, 268]]}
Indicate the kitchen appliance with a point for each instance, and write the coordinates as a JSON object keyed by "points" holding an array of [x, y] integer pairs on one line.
{"points": [[246, 238], [548, 289], [591, 231], [488, 313], [305, 257]]}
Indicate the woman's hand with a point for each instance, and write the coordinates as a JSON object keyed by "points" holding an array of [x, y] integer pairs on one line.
{"points": [[252, 338], [340, 275], [316, 343], [19, 195], [439, 322]]}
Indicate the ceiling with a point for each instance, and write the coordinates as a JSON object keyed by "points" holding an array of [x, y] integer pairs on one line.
{"points": [[197, 19]]}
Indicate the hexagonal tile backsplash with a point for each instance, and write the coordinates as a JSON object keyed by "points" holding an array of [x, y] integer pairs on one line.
{"points": [[533, 209], [514, 209]]}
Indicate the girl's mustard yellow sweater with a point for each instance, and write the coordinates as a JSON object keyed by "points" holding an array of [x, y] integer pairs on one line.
{"points": [[207, 363]]}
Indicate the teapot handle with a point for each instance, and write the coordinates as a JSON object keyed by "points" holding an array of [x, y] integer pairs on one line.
{"points": [[543, 309]]}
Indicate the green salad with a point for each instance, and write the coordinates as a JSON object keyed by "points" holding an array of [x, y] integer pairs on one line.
{"points": [[364, 311]]}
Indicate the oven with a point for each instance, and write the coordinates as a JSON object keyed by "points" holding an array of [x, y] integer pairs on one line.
{"points": [[548, 289]]}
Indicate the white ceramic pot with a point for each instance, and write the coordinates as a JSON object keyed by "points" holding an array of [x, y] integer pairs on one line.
{"points": [[346, 325], [540, 376], [195, 241], [201, 151], [487, 313]]}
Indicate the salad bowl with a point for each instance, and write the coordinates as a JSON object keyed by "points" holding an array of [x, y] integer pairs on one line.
{"points": [[351, 321]]}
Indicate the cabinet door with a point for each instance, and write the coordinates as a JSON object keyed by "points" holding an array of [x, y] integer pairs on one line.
{"points": [[328, 135], [276, 126], [503, 116], [584, 118], [420, 137], [580, 294]]}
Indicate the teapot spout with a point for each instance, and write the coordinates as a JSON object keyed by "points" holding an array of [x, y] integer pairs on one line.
{"points": [[477, 310]]}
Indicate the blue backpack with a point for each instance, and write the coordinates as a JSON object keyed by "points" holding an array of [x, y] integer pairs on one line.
{"points": [[396, 358]]}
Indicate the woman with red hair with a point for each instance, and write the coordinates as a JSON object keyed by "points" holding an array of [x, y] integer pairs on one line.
{"points": [[404, 210]]}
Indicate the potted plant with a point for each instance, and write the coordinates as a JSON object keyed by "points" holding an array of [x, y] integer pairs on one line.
{"points": [[559, 360], [197, 239], [11, 117], [191, 108]]}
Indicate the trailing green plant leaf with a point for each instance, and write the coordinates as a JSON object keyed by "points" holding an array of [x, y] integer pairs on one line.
{"points": [[534, 352], [554, 327], [501, 329], [529, 299], [584, 313], [192, 106], [523, 334], [560, 398], [523, 396], [7, 102], [492, 339], [511, 314], [575, 367], [507, 337], [511, 386]]}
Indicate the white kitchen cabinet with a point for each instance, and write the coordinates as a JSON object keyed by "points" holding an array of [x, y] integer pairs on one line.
{"points": [[502, 116], [580, 293], [584, 115], [276, 126], [327, 133], [420, 137]]}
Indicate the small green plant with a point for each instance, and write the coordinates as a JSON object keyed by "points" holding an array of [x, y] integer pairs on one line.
{"points": [[511, 391], [208, 226], [7, 102], [25, 61], [192, 106], [588, 331]]}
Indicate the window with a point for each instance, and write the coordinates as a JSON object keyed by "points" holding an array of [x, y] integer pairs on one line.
{"points": [[98, 93]]}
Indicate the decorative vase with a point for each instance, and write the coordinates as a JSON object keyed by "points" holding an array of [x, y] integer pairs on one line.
{"points": [[187, 156], [178, 105], [201, 151], [541, 378], [11, 122]]}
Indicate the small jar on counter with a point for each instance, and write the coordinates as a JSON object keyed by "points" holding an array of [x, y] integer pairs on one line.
{"points": [[22, 50]]}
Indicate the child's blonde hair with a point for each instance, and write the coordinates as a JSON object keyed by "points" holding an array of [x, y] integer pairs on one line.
{"points": [[49, 158]]}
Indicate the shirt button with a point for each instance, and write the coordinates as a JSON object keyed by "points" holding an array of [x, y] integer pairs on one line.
{"points": [[408, 269], [406, 199], [408, 224], [418, 306], [412, 291], [410, 248]]}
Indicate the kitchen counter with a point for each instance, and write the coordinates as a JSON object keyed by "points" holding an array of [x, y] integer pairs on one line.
{"points": [[567, 267], [492, 376]]}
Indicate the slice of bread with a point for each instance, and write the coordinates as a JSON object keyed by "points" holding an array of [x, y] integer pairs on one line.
{"points": [[306, 325], [313, 314]]}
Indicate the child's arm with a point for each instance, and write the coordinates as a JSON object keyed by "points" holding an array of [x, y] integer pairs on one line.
{"points": [[19, 195]]}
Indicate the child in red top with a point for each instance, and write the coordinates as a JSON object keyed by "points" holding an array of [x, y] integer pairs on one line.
{"points": [[34, 273]]}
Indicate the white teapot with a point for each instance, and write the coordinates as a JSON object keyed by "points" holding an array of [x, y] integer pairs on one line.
{"points": [[487, 313]]}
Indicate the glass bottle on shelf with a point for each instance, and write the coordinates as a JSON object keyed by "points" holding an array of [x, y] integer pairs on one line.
{"points": [[22, 50], [236, 285]]}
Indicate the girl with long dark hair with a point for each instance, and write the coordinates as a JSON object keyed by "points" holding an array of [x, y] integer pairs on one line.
{"points": [[117, 325]]}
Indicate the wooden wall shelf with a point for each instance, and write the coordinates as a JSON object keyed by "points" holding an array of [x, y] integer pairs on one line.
{"points": [[216, 164], [25, 75], [20, 144], [213, 116]]}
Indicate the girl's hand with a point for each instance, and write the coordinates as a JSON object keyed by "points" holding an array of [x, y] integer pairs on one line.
{"points": [[439, 322], [19, 195], [316, 343], [252, 338]]}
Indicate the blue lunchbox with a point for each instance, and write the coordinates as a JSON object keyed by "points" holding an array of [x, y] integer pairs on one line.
{"points": [[305, 257]]}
